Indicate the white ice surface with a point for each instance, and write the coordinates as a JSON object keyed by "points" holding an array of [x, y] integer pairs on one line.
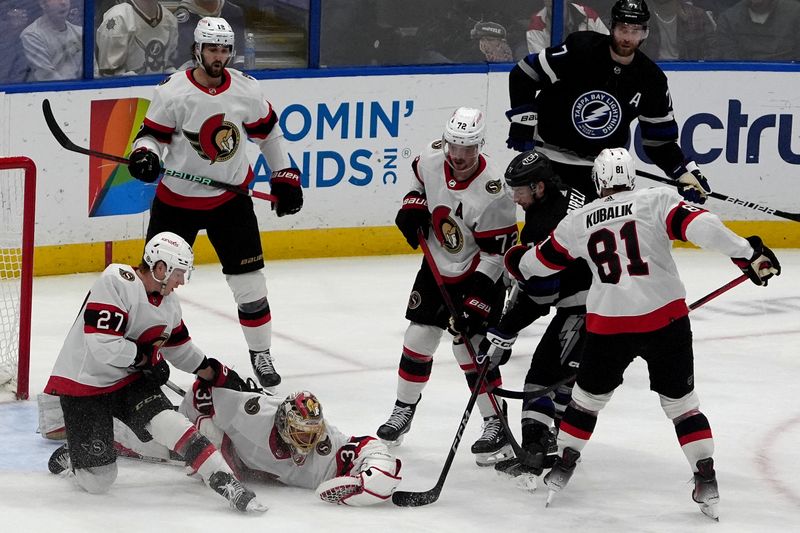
{"points": [[338, 329]]}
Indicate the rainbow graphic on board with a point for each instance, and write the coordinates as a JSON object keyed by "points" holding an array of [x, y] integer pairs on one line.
{"points": [[112, 190]]}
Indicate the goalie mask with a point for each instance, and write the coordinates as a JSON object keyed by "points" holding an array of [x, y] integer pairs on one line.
{"points": [[300, 424], [463, 138], [613, 168], [212, 30], [173, 251]]}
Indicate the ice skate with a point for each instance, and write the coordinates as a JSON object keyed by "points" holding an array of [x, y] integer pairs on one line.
{"points": [[240, 497], [492, 446], [523, 475], [560, 474], [392, 431], [706, 492], [540, 443], [59, 462], [264, 369]]}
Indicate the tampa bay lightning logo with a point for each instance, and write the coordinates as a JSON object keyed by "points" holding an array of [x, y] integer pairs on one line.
{"points": [[596, 114]]}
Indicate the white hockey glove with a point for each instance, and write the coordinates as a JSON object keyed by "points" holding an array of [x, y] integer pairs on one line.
{"points": [[372, 481]]}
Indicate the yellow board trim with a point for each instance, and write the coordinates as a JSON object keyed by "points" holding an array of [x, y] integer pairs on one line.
{"points": [[333, 242]]}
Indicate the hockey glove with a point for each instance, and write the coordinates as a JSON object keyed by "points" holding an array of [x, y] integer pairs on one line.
{"points": [[285, 185], [762, 265], [693, 186], [512, 259], [152, 364], [144, 165], [523, 125], [497, 346], [476, 306], [413, 215]]}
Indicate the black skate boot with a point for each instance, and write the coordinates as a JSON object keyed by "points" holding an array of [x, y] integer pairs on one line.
{"points": [[240, 497], [264, 369], [706, 492], [492, 446], [562, 471], [59, 462], [391, 432]]}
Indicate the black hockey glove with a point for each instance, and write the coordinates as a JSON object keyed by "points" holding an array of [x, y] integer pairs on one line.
{"points": [[413, 215], [476, 306], [144, 165], [152, 364], [523, 126], [762, 265], [285, 185], [497, 346], [693, 186], [223, 377]]}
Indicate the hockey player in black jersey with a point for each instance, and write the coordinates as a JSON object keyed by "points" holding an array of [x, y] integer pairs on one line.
{"points": [[540, 192], [577, 98]]}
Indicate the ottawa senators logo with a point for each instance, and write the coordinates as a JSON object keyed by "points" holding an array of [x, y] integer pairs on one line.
{"points": [[446, 229], [217, 140], [252, 406], [494, 186], [127, 276], [324, 447]]}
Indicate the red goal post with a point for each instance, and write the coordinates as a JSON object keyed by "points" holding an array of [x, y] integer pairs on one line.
{"points": [[17, 218]]}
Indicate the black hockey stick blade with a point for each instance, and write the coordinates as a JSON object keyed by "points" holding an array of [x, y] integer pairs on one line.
{"points": [[65, 141], [725, 198], [403, 498]]}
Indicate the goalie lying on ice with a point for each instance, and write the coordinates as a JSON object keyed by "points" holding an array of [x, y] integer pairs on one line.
{"points": [[289, 441]]}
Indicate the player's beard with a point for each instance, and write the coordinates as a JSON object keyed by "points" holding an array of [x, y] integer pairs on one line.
{"points": [[214, 70], [622, 48]]}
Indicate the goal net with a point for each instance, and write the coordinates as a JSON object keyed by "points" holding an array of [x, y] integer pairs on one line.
{"points": [[17, 203]]}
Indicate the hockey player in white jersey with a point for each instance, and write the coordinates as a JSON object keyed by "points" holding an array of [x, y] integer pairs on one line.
{"points": [[458, 193], [289, 440], [137, 37], [198, 122], [113, 363], [636, 307]]}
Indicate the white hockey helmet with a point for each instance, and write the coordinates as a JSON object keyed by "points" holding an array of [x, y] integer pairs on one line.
{"points": [[300, 424], [212, 30], [173, 250], [613, 167], [466, 127]]}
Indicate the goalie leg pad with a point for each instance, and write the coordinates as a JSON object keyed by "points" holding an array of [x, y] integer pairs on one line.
{"points": [[51, 417]]}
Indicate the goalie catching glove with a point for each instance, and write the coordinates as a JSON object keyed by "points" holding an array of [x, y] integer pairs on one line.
{"points": [[371, 480], [144, 165], [762, 265], [285, 186]]}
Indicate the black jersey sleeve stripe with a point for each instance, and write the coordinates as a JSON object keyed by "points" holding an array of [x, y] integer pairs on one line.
{"points": [[162, 134], [552, 255], [178, 336], [262, 127], [679, 218]]}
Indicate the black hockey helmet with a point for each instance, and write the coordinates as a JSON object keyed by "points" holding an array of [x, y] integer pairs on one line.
{"points": [[529, 168], [630, 12]]}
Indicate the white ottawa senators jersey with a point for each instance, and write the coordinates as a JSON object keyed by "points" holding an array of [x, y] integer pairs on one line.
{"points": [[130, 42], [116, 316], [626, 241], [474, 221], [202, 131], [248, 422]]}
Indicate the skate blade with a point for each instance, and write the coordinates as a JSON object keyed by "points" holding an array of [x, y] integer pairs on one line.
{"points": [[270, 391], [255, 506], [393, 443], [550, 495], [492, 458], [710, 510]]}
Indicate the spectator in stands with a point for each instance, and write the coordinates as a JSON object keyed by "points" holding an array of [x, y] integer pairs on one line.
{"points": [[75, 15], [189, 13], [577, 17], [136, 37], [765, 30], [679, 31], [52, 45], [14, 66]]}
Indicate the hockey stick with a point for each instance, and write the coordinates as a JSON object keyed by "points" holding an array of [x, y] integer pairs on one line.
{"points": [[519, 395], [523, 455], [735, 201], [67, 144], [174, 388]]}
